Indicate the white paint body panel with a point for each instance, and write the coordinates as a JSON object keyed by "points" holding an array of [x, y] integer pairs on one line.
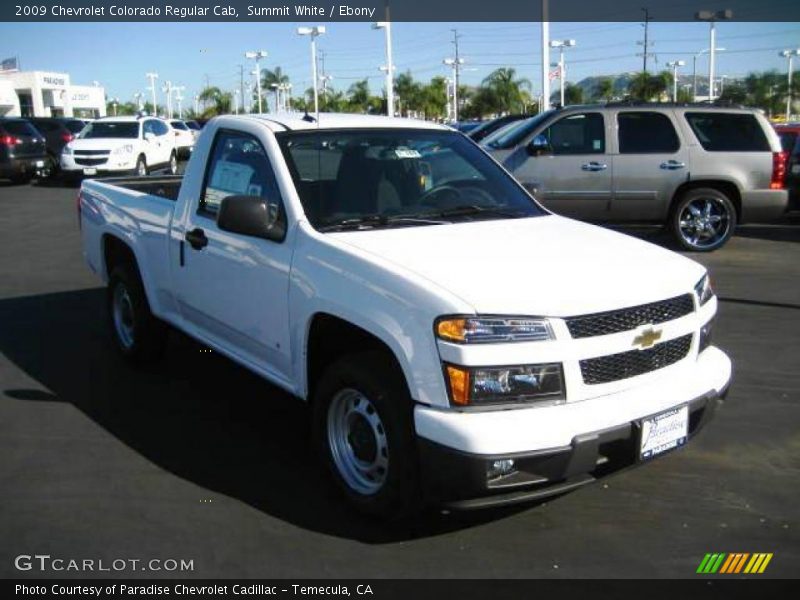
{"points": [[254, 300]]}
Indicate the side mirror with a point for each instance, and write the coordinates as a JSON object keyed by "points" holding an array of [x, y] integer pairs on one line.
{"points": [[252, 216], [149, 136], [539, 145]]}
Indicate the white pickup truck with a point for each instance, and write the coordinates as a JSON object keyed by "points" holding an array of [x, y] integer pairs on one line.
{"points": [[458, 343]]}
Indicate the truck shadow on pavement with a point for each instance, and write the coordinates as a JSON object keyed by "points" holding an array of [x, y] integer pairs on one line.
{"points": [[197, 415]]}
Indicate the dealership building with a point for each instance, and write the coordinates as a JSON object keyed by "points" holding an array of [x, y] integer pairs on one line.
{"points": [[46, 94]]}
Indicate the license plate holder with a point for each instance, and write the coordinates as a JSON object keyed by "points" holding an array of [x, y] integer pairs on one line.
{"points": [[663, 432], [90, 171]]}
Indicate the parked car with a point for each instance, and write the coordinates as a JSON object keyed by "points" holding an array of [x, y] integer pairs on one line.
{"points": [[23, 152], [456, 342], [698, 169], [465, 126], [184, 138], [58, 132], [121, 145], [488, 127], [194, 127], [790, 142]]}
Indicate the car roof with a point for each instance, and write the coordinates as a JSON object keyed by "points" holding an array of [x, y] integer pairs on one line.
{"points": [[301, 121]]}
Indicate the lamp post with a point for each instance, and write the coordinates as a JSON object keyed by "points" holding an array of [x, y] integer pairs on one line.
{"points": [[694, 69], [712, 17], [562, 67], [257, 55], [789, 55], [455, 64], [389, 68], [313, 33], [674, 64], [152, 77]]}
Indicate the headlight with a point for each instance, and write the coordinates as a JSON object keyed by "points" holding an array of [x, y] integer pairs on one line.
{"points": [[126, 149], [703, 290], [483, 330], [482, 386], [66, 150]]}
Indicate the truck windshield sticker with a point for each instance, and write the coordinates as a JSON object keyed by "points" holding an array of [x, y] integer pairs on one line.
{"points": [[231, 178]]}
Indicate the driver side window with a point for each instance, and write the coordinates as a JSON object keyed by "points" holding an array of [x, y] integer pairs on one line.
{"points": [[582, 133], [238, 166]]}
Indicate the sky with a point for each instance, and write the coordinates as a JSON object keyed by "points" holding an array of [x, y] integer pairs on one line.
{"points": [[119, 54]]}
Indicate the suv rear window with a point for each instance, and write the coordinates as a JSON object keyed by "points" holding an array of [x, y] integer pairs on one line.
{"points": [[19, 128], [728, 132], [646, 133]]}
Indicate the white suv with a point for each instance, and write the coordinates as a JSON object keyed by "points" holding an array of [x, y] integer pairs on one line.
{"points": [[122, 145]]}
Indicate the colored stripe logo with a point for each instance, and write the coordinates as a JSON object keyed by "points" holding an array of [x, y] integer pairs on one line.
{"points": [[735, 562]]}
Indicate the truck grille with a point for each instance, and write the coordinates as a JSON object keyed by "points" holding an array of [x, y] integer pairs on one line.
{"points": [[90, 162], [614, 367], [626, 319]]}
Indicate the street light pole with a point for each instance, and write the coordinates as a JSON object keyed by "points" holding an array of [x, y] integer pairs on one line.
{"points": [[562, 67], [313, 32], [168, 90], [545, 103], [789, 55], [674, 64], [257, 55], [387, 28], [152, 77], [712, 17]]}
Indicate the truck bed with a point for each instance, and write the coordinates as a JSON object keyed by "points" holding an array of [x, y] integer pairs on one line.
{"points": [[164, 186]]}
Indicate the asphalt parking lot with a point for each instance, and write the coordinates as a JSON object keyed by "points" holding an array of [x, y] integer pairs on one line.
{"points": [[198, 459]]}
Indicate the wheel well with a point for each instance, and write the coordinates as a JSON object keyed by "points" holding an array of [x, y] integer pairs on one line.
{"points": [[330, 338], [726, 187], [116, 252]]}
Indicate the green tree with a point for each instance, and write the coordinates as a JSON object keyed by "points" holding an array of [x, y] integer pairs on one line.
{"points": [[216, 101], [603, 90], [506, 89], [409, 93], [270, 77], [647, 87], [573, 94]]}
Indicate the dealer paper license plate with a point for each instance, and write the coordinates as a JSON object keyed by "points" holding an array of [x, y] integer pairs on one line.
{"points": [[90, 171], [664, 432]]}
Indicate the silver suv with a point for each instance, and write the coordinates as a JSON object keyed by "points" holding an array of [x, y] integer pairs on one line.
{"points": [[700, 169]]}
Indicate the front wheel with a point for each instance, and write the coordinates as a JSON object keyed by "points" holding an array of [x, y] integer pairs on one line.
{"points": [[173, 163], [703, 220], [363, 428], [141, 166]]}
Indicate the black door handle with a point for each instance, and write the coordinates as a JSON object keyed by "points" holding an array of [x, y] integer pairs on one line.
{"points": [[197, 238]]}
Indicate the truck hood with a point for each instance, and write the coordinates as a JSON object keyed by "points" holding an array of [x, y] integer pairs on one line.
{"points": [[546, 266]]}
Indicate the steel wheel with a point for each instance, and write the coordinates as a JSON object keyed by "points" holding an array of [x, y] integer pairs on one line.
{"points": [[122, 311], [704, 222], [357, 441]]}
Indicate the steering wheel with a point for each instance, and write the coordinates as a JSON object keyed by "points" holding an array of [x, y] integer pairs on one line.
{"points": [[427, 199]]}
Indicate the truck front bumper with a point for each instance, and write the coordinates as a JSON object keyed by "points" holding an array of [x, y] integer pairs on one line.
{"points": [[555, 448]]}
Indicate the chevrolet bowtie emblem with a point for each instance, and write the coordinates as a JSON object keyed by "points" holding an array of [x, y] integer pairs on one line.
{"points": [[647, 338]]}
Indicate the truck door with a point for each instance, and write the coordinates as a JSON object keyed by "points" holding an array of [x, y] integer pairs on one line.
{"points": [[567, 167], [650, 165], [232, 289]]}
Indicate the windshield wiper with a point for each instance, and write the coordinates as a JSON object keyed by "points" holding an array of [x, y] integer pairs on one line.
{"points": [[474, 209], [372, 221]]}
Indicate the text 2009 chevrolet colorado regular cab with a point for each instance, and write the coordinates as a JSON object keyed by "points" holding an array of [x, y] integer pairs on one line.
{"points": [[458, 343]]}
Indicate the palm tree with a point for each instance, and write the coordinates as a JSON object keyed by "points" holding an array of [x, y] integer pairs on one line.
{"points": [[220, 101], [507, 89], [646, 87], [270, 77], [573, 94], [604, 89], [359, 96], [408, 93]]}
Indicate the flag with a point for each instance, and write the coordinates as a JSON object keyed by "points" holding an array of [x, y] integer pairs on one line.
{"points": [[9, 64], [555, 73]]}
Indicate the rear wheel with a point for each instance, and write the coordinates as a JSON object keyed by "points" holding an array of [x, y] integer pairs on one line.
{"points": [[703, 220], [141, 166], [137, 334], [173, 163], [363, 427]]}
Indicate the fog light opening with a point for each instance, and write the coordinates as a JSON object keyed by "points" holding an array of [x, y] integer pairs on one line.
{"points": [[499, 468]]}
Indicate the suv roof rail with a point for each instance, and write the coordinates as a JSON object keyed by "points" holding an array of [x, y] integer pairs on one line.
{"points": [[718, 103]]}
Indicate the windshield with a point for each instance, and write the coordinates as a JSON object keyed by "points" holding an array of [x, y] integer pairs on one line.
{"points": [[390, 177], [74, 126], [111, 129], [514, 134]]}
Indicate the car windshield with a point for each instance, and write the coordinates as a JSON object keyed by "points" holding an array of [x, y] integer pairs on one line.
{"points": [[111, 129], [369, 178], [510, 136]]}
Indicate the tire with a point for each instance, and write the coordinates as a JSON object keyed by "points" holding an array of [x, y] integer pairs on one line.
{"points": [[173, 163], [703, 220], [137, 334], [363, 396], [141, 166]]}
